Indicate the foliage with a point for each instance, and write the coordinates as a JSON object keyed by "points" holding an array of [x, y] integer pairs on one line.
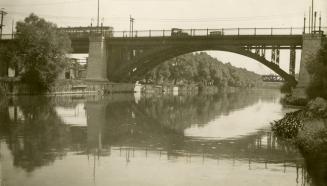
{"points": [[295, 101], [38, 53], [289, 126], [2, 91], [286, 87], [203, 69], [306, 128], [312, 140], [318, 107], [317, 68], [45, 136]]}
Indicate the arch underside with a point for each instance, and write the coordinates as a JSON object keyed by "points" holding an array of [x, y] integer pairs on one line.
{"points": [[147, 61]]}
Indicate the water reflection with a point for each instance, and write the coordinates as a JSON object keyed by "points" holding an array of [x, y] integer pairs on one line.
{"points": [[154, 140]]}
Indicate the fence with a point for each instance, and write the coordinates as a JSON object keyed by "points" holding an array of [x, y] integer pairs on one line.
{"points": [[175, 32], [216, 32]]}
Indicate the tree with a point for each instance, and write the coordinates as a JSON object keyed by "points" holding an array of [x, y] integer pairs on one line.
{"points": [[202, 69], [317, 68], [40, 52], [162, 73]]}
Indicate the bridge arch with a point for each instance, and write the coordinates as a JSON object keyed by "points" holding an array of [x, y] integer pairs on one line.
{"points": [[149, 59]]}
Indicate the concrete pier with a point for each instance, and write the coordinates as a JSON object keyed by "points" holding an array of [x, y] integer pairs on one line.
{"points": [[312, 43], [97, 62]]}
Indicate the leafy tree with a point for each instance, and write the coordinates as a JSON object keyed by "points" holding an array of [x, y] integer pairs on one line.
{"points": [[163, 72], [317, 68], [38, 53], [203, 69]]}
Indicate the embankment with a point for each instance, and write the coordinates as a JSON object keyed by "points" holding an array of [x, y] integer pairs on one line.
{"points": [[307, 128]]}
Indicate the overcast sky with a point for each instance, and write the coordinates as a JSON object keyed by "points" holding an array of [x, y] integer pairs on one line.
{"points": [[165, 14]]}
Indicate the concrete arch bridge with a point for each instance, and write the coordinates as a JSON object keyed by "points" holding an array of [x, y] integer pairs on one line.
{"points": [[119, 55]]}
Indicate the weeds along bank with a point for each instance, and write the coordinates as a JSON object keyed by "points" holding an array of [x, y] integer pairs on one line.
{"points": [[307, 128]]}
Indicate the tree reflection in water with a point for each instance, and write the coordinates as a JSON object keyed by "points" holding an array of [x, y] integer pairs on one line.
{"points": [[36, 135]]}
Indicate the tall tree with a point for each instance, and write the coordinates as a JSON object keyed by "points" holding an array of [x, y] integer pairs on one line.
{"points": [[203, 69], [40, 52]]}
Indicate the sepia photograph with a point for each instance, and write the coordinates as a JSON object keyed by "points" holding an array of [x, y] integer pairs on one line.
{"points": [[163, 93]]}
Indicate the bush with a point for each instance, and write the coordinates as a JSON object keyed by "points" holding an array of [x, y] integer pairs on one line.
{"points": [[313, 138], [2, 91], [318, 107], [286, 87], [290, 100], [289, 126]]}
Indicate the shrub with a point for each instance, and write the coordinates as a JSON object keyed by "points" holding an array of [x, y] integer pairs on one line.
{"points": [[290, 100], [289, 126], [286, 87]]}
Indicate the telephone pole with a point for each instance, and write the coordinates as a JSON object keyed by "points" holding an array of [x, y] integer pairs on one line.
{"points": [[12, 28], [320, 22], [131, 25], [3, 13], [98, 13], [312, 9]]}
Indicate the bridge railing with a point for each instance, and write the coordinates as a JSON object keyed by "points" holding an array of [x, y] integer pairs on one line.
{"points": [[84, 33], [213, 32]]}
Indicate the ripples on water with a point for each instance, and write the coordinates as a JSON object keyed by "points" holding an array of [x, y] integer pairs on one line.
{"points": [[148, 140]]}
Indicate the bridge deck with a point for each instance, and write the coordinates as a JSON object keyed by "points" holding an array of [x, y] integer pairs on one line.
{"points": [[80, 45], [250, 40], [253, 37]]}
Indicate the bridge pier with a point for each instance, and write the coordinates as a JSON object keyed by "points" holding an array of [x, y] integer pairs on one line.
{"points": [[292, 61], [96, 120], [97, 62], [312, 43]]}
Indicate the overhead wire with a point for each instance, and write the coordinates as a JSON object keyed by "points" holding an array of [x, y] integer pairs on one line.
{"points": [[147, 19], [43, 4]]}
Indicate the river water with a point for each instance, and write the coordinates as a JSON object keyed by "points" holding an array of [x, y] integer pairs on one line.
{"points": [[125, 139]]}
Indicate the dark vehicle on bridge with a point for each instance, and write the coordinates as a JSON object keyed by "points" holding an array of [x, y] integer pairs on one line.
{"points": [[176, 32]]}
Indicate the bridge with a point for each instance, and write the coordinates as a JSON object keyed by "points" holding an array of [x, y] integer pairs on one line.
{"points": [[272, 78], [120, 55]]}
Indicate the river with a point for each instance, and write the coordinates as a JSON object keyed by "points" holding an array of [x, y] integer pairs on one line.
{"points": [[126, 139]]}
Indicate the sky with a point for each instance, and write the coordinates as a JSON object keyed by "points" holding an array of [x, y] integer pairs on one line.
{"points": [[166, 14]]}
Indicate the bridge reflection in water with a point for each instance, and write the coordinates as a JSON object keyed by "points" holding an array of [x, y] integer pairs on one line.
{"points": [[114, 140]]}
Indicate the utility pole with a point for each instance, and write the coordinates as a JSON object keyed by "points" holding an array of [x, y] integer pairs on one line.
{"points": [[131, 25], [98, 13], [312, 14], [304, 19], [102, 20], [3, 13], [315, 19], [309, 19], [320, 22], [12, 29]]}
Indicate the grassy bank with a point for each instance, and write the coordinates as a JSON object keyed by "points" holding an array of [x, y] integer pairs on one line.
{"points": [[307, 128]]}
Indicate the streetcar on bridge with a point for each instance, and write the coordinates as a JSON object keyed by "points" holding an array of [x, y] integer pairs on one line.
{"points": [[85, 31]]}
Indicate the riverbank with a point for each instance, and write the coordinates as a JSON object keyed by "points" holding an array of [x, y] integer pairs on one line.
{"points": [[13, 86], [307, 128]]}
